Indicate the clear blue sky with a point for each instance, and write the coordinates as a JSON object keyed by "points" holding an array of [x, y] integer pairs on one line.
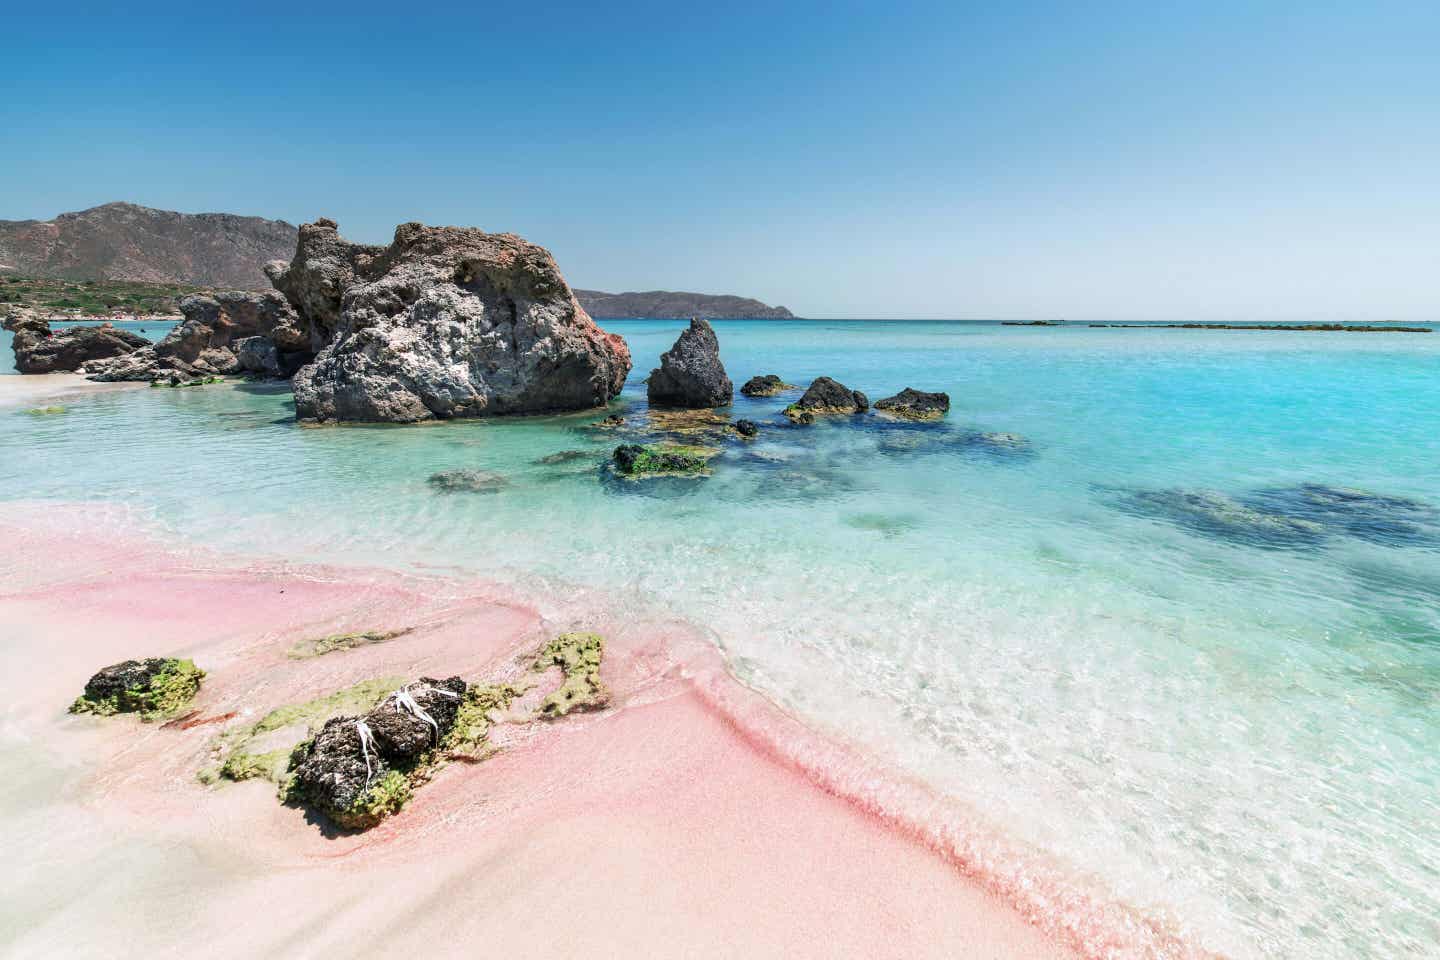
{"points": [[1255, 160]]}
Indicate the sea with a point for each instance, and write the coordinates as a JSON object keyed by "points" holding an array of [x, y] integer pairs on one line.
{"points": [[1161, 603]]}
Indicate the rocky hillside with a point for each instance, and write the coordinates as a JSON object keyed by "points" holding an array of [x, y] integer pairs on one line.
{"points": [[123, 241], [669, 305]]}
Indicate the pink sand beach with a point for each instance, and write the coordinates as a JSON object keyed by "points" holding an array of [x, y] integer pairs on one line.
{"points": [[690, 818]]}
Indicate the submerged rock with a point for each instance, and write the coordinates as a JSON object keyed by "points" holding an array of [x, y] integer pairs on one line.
{"points": [[468, 481], [1378, 518], [1217, 515], [690, 374], [826, 396], [766, 385], [636, 460], [154, 687], [356, 770], [915, 405], [445, 322], [39, 349]]}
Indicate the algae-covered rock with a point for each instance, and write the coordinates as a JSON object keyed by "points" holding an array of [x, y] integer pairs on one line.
{"points": [[578, 655], [360, 769], [915, 405], [766, 385], [826, 396], [658, 460], [746, 428], [336, 642], [154, 687], [467, 739]]}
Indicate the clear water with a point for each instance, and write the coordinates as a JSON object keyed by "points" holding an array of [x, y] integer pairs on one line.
{"points": [[1237, 729]]}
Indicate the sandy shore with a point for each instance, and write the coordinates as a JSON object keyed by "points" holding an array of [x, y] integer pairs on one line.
{"points": [[668, 825], [20, 390]]}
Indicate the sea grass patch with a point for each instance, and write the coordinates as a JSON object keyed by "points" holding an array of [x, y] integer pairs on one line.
{"points": [[337, 642], [155, 688]]}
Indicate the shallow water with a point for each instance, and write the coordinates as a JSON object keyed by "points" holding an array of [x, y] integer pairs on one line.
{"points": [[1135, 639]]}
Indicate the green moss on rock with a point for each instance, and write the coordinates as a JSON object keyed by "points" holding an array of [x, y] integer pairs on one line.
{"points": [[578, 655], [659, 460], [154, 688], [320, 646], [468, 737]]}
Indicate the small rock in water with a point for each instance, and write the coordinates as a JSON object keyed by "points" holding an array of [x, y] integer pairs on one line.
{"points": [[826, 396], [915, 405], [746, 428], [468, 481], [564, 456], [766, 385], [635, 460]]}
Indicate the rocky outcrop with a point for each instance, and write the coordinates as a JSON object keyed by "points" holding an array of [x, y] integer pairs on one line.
{"points": [[690, 374], [39, 349], [746, 428], [767, 385], [325, 265], [826, 396], [915, 405], [208, 341], [445, 322]]}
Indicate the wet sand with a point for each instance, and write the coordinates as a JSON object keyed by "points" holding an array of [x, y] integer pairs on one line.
{"points": [[28, 390], [660, 827]]}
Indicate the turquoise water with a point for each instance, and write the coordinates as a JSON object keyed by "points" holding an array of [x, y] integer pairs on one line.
{"points": [[1227, 717]]}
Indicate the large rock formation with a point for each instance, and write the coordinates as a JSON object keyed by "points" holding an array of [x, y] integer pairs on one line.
{"points": [[690, 374], [39, 349], [123, 241], [210, 339], [445, 322]]}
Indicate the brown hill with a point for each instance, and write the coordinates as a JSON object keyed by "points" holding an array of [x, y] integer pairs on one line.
{"points": [[123, 241]]}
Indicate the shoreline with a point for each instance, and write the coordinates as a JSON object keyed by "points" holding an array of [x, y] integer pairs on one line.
{"points": [[706, 778], [23, 389]]}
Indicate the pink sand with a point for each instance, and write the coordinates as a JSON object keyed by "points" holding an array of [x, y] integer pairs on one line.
{"points": [[691, 819]]}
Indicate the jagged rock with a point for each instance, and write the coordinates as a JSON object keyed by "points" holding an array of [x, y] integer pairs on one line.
{"points": [[205, 343], [823, 396], [767, 385], [690, 374], [445, 322], [324, 267], [746, 428], [915, 405], [38, 349], [357, 775], [18, 316]]}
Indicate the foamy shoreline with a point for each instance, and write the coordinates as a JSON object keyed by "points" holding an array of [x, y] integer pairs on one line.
{"points": [[692, 818]]}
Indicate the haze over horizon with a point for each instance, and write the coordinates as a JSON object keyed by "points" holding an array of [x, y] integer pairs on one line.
{"points": [[948, 160]]}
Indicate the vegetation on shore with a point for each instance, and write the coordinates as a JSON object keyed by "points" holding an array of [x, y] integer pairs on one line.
{"points": [[93, 298]]}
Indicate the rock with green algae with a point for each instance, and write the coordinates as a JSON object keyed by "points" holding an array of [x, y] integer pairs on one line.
{"points": [[262, 750], [662, 460], [578, 655], [155, 687], [335, 642], [360, 769], [468, 739], [52, 411]]}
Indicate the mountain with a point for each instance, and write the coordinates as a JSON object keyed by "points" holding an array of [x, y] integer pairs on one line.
{"points": [[668, 305], [123, 241]]}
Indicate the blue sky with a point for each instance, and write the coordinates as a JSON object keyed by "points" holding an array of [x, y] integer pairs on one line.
{"points": [[1259, 160]]}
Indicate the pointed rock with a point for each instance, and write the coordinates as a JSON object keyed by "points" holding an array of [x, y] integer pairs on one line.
{"points": [[690, 374]]}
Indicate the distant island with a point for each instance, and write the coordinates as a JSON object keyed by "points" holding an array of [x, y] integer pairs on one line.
{"points": [[135, 245], [669, 305]]}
